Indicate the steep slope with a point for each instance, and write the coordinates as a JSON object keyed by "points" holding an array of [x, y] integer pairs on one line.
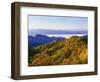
{"points": [[62, 52]]}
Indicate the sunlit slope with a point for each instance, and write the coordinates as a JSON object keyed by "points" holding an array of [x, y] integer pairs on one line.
{"points": [[63, 52]]}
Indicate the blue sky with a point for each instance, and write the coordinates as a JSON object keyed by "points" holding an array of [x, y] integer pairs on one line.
{"points": [[58, 23]]}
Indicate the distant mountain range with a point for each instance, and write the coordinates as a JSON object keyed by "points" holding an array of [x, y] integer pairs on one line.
{"points": [[34, 41], [39, 39], [49, 31]]}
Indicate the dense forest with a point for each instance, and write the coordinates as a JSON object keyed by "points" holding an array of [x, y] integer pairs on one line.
{"points": [[60, 52]]}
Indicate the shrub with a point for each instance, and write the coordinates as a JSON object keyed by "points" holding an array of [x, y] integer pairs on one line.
{"points": [[68, 53]]}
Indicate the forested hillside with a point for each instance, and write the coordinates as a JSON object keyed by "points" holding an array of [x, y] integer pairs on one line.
{"points": [[62, 52]]}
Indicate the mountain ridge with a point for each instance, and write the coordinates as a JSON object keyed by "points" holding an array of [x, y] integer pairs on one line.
{"points": [[49, 31], [39, 39], [63, 52]]}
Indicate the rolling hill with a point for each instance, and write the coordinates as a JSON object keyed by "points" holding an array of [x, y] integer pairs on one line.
{"points": [[34, 41], [62, 52]]}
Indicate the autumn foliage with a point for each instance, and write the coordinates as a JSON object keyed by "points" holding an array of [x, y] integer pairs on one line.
{"points": [[63, 52]]}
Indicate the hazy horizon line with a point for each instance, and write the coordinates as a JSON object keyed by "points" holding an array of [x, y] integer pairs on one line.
{"points": [[58, 29]]}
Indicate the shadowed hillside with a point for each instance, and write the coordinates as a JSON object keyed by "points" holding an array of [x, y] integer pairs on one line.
{"points": [[34, 41], [62, 52]]}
